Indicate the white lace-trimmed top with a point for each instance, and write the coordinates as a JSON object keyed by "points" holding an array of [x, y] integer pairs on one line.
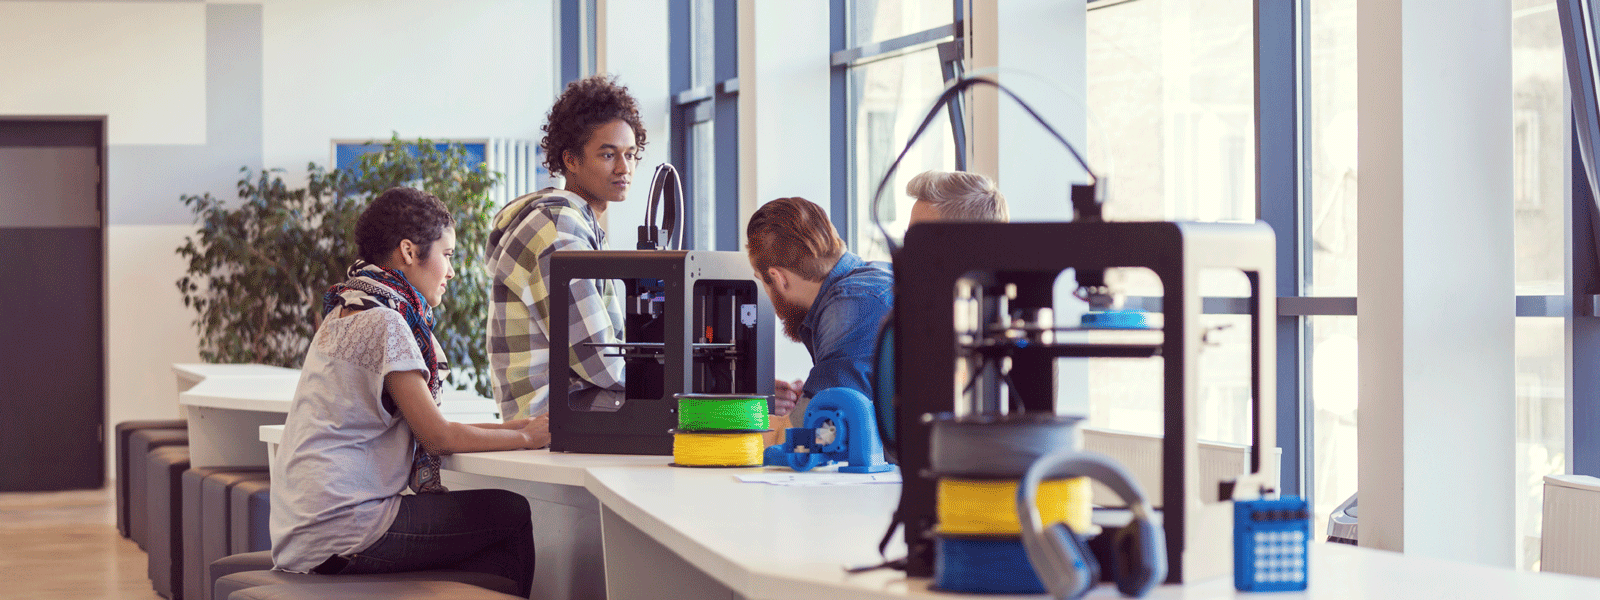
{"points": [[345, 456]]}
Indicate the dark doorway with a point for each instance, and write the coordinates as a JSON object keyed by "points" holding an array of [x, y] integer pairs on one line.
{"points": [[52, 303]]}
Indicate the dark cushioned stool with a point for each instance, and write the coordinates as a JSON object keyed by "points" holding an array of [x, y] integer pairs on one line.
{"points": [[311, 584], [164, 469], [380, 590], [140, 443], [124, 430], [205, 522], [236, 563], [250, 509]]}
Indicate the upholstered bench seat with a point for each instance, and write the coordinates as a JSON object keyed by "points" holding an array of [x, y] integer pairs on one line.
{"points": [[374, 590], [133, 463], [236, 563], [135, 449], [227, 585], [206, 522], [249, 512], [164, 469]]}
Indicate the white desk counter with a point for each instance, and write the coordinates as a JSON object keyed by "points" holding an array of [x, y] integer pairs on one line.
{"points": [[699, 533], [666, 532], [190, 374], [226, 405], [225, 409]]}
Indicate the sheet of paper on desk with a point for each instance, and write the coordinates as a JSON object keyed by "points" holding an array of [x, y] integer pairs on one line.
{"points": [[825, 478]]}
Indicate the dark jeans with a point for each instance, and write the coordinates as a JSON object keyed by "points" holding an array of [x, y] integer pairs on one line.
{"points": [[485, 531]]}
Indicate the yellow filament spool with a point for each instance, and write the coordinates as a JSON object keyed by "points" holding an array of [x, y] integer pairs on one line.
{"points": [[716, 449], [988, 506]]}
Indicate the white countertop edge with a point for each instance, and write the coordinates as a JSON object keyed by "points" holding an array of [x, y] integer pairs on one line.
{"points": [[728, 572], [755, 579], [1577, 482], [504, 465], [244, 404]]}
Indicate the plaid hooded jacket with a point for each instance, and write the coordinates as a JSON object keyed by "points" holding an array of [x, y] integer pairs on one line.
{"points": [[524, 235]]}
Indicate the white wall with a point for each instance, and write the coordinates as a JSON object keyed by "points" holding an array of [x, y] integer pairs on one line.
{"points": [[1438, 404], [787, 90], [147, 324], [366, 68], [327, 69], [141, 64], [637, 54]]}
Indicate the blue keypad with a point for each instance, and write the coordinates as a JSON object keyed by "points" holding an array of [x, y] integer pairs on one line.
{"points": [[1269, 544]]}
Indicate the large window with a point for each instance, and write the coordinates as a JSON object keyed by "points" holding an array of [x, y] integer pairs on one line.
{"points": [[705, 86], [1329, 250], [1540, 144], [892, 69], [1171, 92], [1539, 148], [1170, 82]]}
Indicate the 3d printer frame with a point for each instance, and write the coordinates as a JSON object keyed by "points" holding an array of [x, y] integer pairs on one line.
{"points": [[706, 299], [1031, 256]]}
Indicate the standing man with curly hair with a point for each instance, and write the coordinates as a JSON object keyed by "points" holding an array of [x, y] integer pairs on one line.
{"points": [[593, 138]]}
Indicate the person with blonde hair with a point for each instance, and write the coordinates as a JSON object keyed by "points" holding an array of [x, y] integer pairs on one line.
{"points": [[955, 196]]}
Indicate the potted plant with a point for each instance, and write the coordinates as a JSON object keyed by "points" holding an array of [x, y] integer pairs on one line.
{"points": [[258, 266]]}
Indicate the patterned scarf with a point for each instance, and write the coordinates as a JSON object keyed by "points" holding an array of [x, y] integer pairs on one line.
{"points": [[371, 286]]}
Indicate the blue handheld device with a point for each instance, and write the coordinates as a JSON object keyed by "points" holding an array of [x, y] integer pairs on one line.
{"points": [[1269, 544]]}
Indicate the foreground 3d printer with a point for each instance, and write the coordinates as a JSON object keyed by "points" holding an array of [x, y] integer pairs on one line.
{"points": [[1009, 271]]}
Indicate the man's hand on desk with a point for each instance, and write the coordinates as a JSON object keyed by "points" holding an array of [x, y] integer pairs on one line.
{"points": [[785, 395]]}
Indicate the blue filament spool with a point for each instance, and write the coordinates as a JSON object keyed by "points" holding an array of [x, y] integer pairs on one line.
{"points": [[984, 565]]}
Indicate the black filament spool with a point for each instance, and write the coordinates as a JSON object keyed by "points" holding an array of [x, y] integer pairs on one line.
{"points": [[998, 446]]}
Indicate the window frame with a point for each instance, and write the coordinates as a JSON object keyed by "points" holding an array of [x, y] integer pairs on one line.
{"points": [[1282, 187], [716, 103], [947, 39]]}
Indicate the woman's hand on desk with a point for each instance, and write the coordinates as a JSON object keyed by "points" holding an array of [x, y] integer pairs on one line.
{"points": [[536, 429], [442, 436]]}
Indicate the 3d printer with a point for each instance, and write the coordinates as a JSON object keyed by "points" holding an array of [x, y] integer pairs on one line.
{"points": [[1009, 270], [696, 322]]}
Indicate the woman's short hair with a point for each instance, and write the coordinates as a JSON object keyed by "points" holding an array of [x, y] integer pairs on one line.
{"points": [[795, 234], [960, 195], [584, 106], [400, 213]]}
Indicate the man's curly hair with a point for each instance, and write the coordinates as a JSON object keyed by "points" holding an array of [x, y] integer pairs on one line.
{"points": [[586, 105]]}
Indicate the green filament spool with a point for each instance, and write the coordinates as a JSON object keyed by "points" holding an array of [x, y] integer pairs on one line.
{"points": [[708, 412]]}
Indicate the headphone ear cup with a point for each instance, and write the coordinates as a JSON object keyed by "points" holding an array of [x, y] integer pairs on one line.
{"points": [[1077, 553], [1136, 564]]}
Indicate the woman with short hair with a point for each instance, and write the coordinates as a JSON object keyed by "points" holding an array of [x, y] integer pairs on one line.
{"points": [[365, 424]]}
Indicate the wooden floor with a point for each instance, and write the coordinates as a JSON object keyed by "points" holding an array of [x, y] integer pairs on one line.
{"points": [[64, 545]]}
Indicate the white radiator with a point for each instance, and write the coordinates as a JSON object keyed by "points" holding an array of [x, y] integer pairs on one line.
{"points": [[1570, 542], [519, 162], [1141, 455], [521, 165]]}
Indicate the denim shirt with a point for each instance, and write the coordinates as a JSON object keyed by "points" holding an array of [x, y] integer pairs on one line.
{"points": [[841, 329]]}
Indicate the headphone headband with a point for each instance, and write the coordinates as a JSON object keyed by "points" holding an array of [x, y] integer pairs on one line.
{"points": [[1054, 563]]}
